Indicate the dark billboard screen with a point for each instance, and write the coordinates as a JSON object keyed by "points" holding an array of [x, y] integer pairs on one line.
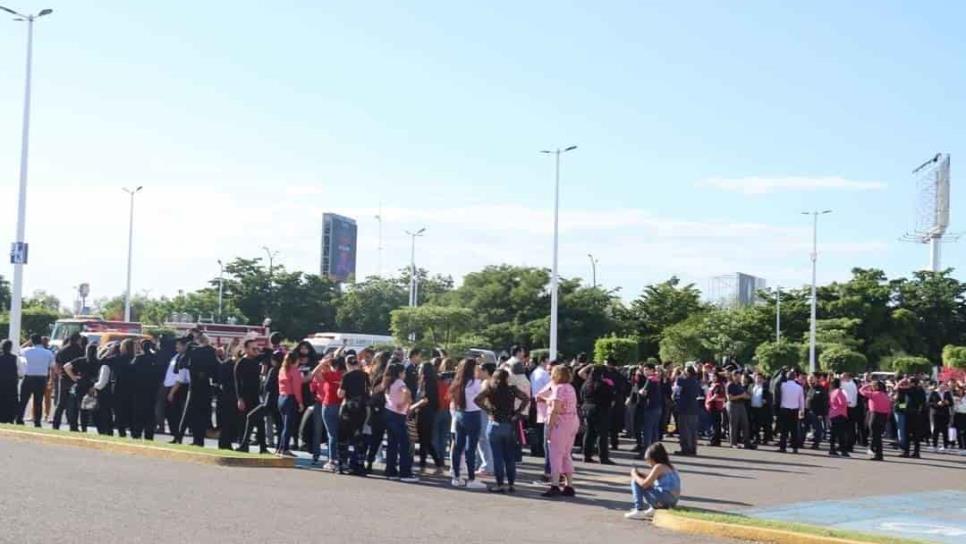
{"points": [[342, 238]]}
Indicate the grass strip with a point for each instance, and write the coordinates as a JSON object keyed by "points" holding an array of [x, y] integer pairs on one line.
{"points": [[739, 519], [27, 429]]}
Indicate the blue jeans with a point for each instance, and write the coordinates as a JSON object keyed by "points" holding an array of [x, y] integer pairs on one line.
{"points": [[654, 498], [504, 446], [290, 421], [467, 438], [817, 424], [485, 451], [330, 415], [901, 427], [397, 450], [649, 432], [441, 431]]}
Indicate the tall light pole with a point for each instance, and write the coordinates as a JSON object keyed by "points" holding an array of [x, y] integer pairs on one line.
{"points": [[778, 313], [413, 280], [221, 288], [811, 334], [593, 269], [18, 254], [271, 278], [379, 249], [130, 249], [554, 276]]}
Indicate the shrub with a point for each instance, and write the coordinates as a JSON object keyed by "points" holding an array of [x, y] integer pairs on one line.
{"points": [[842, 359], [620, 351], [954, 357], [772, 356], [907, 364]]}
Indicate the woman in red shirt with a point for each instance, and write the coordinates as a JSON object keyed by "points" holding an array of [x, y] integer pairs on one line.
{"points": [[290, 401], [325, 385], [715, 404]]}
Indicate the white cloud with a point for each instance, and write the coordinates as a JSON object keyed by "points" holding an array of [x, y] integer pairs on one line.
{"points": [[756, 185]]}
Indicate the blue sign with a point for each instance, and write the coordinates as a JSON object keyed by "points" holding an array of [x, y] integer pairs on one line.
{"points": [[18, 253]]}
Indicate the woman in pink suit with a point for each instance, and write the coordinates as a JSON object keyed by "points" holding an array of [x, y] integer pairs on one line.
{"points": [[563, 424]]}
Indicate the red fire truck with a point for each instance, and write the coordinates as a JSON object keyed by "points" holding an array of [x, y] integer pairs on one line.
{"points": [[220, 334]]}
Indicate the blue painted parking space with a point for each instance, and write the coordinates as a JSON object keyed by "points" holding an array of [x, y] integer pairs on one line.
{"points": [[936, 516]]}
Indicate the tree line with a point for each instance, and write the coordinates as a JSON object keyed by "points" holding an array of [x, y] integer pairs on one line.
{"points": [[868, 321]]}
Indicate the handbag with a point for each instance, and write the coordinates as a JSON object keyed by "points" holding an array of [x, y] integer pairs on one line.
{"points": [[89, 403]]}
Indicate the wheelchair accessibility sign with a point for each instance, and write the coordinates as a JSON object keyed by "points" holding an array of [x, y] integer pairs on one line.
{"points": [[18, 253]]}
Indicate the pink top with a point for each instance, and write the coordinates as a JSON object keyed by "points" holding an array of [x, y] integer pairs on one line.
{"points": [[290, 383], [564, 396], [542, 396], [879, 402], [395, 399], [838, 404]]}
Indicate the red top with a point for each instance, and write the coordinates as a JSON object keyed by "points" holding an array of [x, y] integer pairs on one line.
{"points": [[716, 398], [290, 383], [325, 386]]}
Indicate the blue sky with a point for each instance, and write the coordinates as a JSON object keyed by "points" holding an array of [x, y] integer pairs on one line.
{"points": [[704, 129]]}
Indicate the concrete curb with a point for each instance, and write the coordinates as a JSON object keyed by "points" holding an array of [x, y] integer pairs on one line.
{"points": [[667, 519], [146, 450]]}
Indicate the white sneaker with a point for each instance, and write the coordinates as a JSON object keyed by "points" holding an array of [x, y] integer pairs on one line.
{"points": [[331, 467], [637, 515], [409, 480], [456, 482], [474, 484]]}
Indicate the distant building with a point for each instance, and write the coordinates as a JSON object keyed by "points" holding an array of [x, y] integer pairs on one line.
{"points": [[338, 247], [736, 290]]}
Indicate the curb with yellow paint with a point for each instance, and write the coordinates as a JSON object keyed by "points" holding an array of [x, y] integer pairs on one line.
{"points": [[146, 450], [667, 519]]}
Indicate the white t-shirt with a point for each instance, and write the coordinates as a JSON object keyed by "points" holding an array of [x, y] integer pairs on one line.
{"points": [[471, 390], [851, 392]]}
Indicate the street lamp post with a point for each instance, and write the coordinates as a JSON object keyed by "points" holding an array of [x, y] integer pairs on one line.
{"points": [[554, 275], [18, 255], [814, 256], [778, 313], [271, 278], [130, 248], [221, 289], [413, 280], [593, 270]]}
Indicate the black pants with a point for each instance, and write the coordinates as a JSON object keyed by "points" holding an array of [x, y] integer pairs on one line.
{"points": [[104, 415], [229, 423], [63, 401], [788, 419], [8, 402], [123, 412], [915, 433], [424, 429], [197, 415], [838, 435], [537, 441], [960, 421], [32, 386], [761, 424], [173, 411], [378, 426], [717, 419], [73, 410], [597, 431], [142, 421], [940, 428], [616, 423], [254, 422], [876, 427]]}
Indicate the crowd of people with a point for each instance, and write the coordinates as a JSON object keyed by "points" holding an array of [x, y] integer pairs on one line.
{"points": [[350, 409]]}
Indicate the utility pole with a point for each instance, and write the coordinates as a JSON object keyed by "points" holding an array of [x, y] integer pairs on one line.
{"points": [[554, 273], [130, 252], [814, 256], [593, 270]]}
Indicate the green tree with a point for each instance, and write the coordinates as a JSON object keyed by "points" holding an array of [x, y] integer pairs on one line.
{"points": [[620, 351], [43, 300], [842, 359], [939, 303], [772, 356], [365, 306], [433, 325], [660, 306], [954, 356], [907, 365], [5, 296]]}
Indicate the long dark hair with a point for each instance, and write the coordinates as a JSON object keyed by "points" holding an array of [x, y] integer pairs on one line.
{"points": [[379, 363], [501, 392], [658, 455], [312, 355], [464, 375], [393, 373], [7, 347], [427, 380]]}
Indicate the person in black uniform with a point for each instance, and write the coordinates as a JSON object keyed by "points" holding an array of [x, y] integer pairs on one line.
{"points": [[81, 372], [146, 377], [250, 392], [352, 415], [228, 413], [73, 350], [598, 398], [201, 363], [9, 376], [916, 416], [622, 388], [122, 386]]}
